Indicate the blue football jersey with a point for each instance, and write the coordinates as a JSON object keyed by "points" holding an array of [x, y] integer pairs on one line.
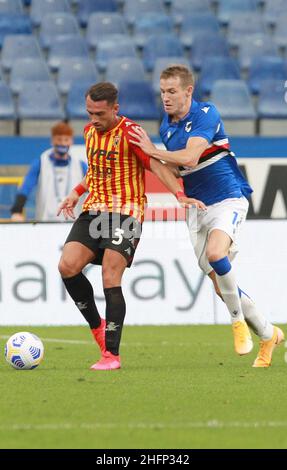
{"points": [[216, 176]]}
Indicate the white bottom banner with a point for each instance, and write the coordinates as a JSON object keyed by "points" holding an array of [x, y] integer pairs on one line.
{"points": [[163, 286]]}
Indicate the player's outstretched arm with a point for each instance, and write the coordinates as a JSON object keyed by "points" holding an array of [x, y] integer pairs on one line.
{"points": [[172, 184], [186, 157], [69, 203]]}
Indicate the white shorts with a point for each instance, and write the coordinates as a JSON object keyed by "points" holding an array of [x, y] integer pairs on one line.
{"points": [[227, 215]]}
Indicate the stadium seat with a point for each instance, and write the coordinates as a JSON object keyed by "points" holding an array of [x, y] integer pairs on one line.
{"points": [[217, 68], [280, 34], [75, 70], [244, 24], [207, 45], [254, 46], [103, 24], [64, 47], [228, 9], [76, 105], [272, 108], [134, 9], [11, 6], [26, 70], [194, 23], [234, 103], [273, 10], [150, 24], [7, 110], [180, 8], [265, 68], [14, 24], [87, 7], [57, 24], [138, 102], [160, 65], [18, 46], [38, 107], [119, 70], [41, 8], [114, 46], [165, 45]]}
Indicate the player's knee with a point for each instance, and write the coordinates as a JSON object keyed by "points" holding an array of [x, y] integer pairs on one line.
{"points": [[214, 254], [111, 277], [66, 268]]}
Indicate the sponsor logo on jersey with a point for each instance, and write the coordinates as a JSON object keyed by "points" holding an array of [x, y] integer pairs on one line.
{"points": [[188, 126]]}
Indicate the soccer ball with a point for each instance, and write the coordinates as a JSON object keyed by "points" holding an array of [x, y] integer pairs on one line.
{"points": [[24, 351]]}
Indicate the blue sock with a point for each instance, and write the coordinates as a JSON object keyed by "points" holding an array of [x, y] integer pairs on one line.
{"points": [[222, 266]]}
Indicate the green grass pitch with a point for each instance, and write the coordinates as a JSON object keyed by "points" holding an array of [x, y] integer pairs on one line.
{"points": [[179, 387]]}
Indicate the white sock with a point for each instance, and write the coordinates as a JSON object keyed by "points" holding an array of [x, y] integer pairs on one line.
{"points": [[257, 322], [229, 291]]}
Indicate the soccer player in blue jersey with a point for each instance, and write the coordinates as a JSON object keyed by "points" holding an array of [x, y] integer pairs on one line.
{"points": [[198, 148]]}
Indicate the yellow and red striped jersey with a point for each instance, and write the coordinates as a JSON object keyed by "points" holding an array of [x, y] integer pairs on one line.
{"points": [[116, 168]]}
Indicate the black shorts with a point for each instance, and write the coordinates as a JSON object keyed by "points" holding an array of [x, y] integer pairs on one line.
{"points": [[101, 230]]}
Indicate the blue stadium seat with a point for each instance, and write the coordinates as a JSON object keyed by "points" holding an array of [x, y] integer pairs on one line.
{"points": [[265, 68], [217, 68], [57, 24], [76, 70], [134, 9], [244, 24], [64, 47], [14, 24], [11, 6], [165, 45], [103, 24], [274, 9], [254, 46], [229, 9], [161, 64], [280, 34], [138, 101], [119, 70], [207, 45], [87, 7], [151, 24], [232, 99], [7, 108], [181, 8], [271, 103], [40, 100], [194, 23], [76, 103], [41, 8], [114, 46], [17, 46], [27, 3], [26, 70]]}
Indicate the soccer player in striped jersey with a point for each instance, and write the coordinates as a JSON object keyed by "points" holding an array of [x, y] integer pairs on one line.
{"points": [[196, 143], [108, 230]]}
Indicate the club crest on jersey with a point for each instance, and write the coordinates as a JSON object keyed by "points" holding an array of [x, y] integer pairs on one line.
{"points": [[116, 141], [188, 126]]}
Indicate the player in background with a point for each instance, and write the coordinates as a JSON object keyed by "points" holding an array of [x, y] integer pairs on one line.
{"points": [[108, 230], [194, 136], [54, 174]]}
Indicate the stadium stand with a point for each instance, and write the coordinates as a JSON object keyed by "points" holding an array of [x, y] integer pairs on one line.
{"points": [[40, 8], [27, 70], [39, 107], [212, 36], [272, 109], [7, 110], [76, 70], [235, 106]]}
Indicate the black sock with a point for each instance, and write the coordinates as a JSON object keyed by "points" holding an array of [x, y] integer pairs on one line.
{"points": [[115, 315], [81, 291]]}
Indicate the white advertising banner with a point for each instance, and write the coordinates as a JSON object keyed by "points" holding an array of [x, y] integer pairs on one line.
{"points": [[163, 286]]}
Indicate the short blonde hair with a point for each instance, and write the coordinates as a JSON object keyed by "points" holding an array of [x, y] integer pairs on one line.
{"points": [[181, 71]]}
